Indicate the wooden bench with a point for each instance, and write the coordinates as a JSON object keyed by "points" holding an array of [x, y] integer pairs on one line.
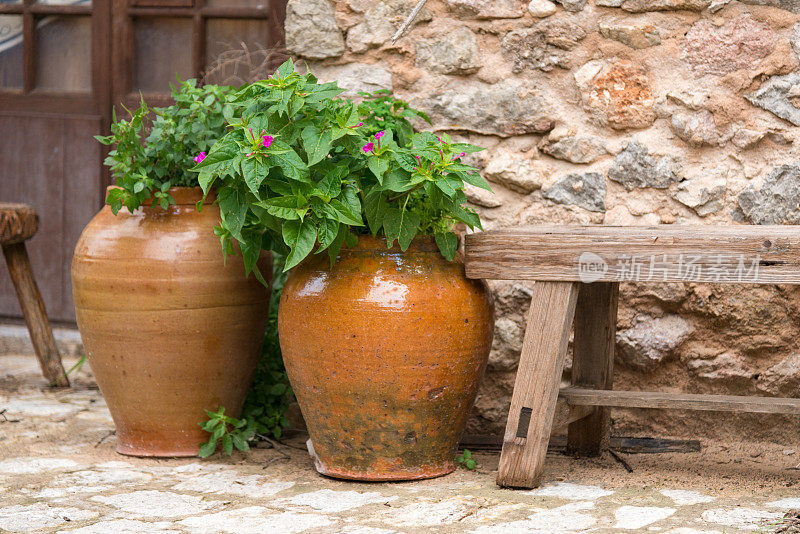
{"points": [[18, 223], [578, 270]]}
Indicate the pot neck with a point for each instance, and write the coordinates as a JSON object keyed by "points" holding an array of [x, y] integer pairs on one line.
{"points": [[367, 243]]}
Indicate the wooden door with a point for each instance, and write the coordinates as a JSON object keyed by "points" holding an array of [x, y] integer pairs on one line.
{"points": [[54, 77], [63, 64]]}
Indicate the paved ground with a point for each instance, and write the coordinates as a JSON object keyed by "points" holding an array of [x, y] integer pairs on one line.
{"points": [[59, 473]]}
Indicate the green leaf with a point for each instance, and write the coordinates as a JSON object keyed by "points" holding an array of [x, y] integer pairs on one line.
{"points": [[240, 443], [401, 226], [286, 69], [328, 230], [207, 449], [343, 213], [255, 171], [233, 209], [227, 444], [317, 144], [300, 238], [375, 208], [473, 178], [290, 163], [448, 243], [378, 165], [283, 208]]}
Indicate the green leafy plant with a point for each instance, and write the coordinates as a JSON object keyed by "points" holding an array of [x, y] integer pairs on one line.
{"points": [[264, 411], [302, 171], [155, 147], [466, 461], [226, 431]]}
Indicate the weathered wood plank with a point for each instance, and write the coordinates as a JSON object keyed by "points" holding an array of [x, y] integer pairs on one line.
{"points": [[668, 253], [30, 300], [679, 401], [533, 403], [567, 414], [593, 359]]}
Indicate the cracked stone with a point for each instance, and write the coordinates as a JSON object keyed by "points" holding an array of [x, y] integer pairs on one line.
{"points": [[634, 167], [152, 503], [506, 345], [643, 6], [633, 34], [789, 503], [788, 5], [726, 366], [542, 46], [507, 108], [517, 174], [487, 9], [24, 466], [541, 8], [380, 23], [780, 95], [255, 520], [21, 518], [311, 29], [330, 501], [573, 5], [697, 128], [636, 517], [428, 514], [91, 482], [739, 44], [252, 486], [705, 192], [651, 340], [617, 93], [573, 492], [743, 517], [782, 378], [576, 149], [778, 199], [566, 518], [354, 77], [124, 526], [587, 191], [686, 497], [746, 139], [481, 197], [454, 53]]}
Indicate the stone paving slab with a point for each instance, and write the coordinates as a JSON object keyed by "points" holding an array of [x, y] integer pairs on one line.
{"points": [[59, 473]]}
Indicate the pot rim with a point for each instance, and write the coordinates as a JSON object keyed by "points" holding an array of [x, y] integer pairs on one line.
{"points": [[368, 243], [183, 196]]}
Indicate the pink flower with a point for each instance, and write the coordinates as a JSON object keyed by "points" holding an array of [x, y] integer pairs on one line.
{"points": [[379, 135], [358, 125], [200, 157], [459, 156], [266, 141], [369, 147]]}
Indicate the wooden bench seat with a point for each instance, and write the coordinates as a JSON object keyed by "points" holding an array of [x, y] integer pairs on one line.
{"points": [[578, 270]]}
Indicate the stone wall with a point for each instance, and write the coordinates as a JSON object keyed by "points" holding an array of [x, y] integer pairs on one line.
{"points": [[610, 112]]}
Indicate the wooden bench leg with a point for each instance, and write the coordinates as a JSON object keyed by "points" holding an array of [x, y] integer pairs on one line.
{"points": [[533, 402], [593, 360], [30, 300]]}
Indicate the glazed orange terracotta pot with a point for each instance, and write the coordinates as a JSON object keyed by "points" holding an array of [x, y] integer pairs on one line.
{"points": [[170, 328], [384, 352]]}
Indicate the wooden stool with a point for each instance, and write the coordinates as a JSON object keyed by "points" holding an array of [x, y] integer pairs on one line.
{"points": [[577, 270], [18, 223]]}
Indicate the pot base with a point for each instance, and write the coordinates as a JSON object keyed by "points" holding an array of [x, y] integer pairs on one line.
{"points": [[389, 474], [156, 453], [395, 476]]}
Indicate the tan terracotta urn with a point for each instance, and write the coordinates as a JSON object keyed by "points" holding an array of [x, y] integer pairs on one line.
{"points": [[384, 352], [169, 326]]}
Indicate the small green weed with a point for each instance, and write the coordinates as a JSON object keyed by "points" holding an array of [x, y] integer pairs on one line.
{"points": [[466, 460]]}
